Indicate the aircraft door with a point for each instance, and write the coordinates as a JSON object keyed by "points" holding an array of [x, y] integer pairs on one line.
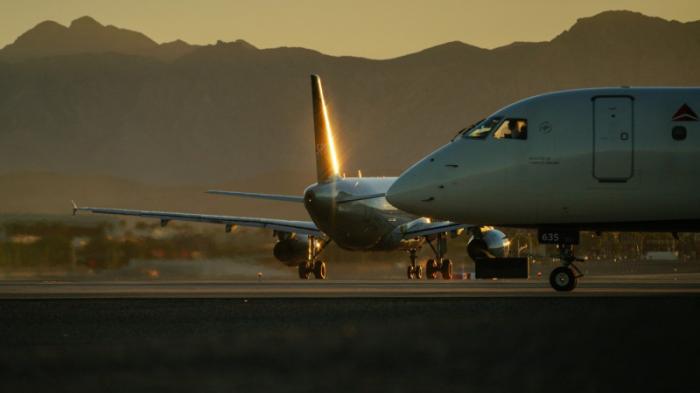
{"points": [[613, 138]]}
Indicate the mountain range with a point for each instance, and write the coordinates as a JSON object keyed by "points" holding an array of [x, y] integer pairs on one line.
{"points": [[90, 102]]}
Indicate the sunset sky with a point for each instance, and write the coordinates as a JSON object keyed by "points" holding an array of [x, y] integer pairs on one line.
{"points": [[368, 28]]}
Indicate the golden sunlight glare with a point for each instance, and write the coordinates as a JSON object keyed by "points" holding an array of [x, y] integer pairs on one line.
{"points": [[329, 133]]}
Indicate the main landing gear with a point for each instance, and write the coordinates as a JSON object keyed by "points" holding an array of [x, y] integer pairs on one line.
{"points": [[433, 267], [313, 265], [564, 278]]}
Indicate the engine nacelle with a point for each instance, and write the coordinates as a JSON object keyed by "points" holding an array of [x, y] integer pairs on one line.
{"points": [[492, 243], [292, 251]]}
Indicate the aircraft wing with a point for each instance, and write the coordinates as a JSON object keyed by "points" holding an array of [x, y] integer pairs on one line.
{"points": [[303, 227], [273, 197], [423, 227]]}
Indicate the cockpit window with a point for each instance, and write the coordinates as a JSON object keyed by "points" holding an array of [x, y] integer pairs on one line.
{"points": [[512, 129], [481, 129]]}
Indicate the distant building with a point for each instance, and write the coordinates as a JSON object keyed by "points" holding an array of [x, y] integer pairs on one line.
{"points": [[661, 256], [24, 239]]}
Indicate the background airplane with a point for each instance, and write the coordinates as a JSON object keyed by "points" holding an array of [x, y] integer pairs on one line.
{"points": [[351, 211], [606, 159]]}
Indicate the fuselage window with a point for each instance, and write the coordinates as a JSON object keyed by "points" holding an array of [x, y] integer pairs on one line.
{"points": [[512, 129], [482, 129]]}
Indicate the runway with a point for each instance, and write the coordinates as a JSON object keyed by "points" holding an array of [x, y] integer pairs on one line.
{"points": [[648, 285], [485, 344], [611, 334]]}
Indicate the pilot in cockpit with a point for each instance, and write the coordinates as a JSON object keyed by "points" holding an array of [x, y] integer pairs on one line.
{"points": [[522, 129], [512, 130], [517, 129]]}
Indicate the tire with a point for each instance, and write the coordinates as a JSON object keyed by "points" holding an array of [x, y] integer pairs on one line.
{"points": [[320, 270], [562, 279], [303, 271], [430, 269], [409, 272], [419, 272], [446, 269]]}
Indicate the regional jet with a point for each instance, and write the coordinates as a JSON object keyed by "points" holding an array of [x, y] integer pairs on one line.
{"points": [[350, 211], [604, 159]]}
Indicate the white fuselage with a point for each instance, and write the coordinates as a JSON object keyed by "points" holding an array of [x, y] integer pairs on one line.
{"points": [[592, 158], [367, 224]]}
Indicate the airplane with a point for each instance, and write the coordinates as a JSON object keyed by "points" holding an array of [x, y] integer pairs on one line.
{"points": [[350, 211], [599, 159]]}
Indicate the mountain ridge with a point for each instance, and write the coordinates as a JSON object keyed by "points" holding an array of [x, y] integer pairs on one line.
{"points": [[230, 112], [86, 35], [135, 43]]}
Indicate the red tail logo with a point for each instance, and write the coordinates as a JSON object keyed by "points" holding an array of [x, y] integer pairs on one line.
{"points": [[685, 114]]}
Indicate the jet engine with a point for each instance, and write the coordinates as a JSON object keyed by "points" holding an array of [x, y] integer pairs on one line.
{"points": [[490, 243], [292, 251]]}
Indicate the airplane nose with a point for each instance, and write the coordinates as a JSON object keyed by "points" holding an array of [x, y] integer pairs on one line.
{"points": [[399, 194], [409, 192], [421, 189]]}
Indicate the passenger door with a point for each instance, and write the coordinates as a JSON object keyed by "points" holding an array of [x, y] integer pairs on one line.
{"points": [[613, 138]]}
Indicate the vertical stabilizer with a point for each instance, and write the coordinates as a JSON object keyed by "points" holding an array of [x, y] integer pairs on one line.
{"points": [[327, 167]]}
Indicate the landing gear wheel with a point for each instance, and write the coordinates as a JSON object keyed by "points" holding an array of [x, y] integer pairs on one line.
{"points": [[320, 270], [563, 279], [304, 271], [418, 271], [446, 269], [431, 269], [414, 272]]}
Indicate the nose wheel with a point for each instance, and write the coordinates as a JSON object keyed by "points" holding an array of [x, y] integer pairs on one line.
{"points": [[313, 266], [414, 271], [565, 278], [320, 270]]}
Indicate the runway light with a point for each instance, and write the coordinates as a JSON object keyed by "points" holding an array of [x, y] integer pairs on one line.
{"points": [[153, 273]]}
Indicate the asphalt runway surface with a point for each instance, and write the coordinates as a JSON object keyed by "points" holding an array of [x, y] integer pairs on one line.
{"points": [[383, 336], [594, 286]]}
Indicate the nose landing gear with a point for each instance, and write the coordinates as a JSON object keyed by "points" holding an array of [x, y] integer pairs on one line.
{"points": [[565, 278], [312, 265], [414, 270], [320, 270]]}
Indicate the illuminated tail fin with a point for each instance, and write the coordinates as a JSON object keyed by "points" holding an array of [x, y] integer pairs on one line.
{"points": [[327, 166]]}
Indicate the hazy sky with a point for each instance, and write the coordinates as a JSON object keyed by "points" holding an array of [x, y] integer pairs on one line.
{"points": [[368, 28]]}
